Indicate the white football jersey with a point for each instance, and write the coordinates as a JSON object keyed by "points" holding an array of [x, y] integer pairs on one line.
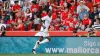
{"points": [[46, 24]]}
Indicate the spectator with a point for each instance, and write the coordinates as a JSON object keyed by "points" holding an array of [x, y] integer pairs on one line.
{"points": [[89, 4], [56, 24], [86, 20], [34, 6], [87, 28], [82, 13], [30, 25], [2, 24], [80, 26], [73, 7], [93, 14], [12, 2], [96, 16], [75, 14], [7, 11], [66, 4], [82, 6], [3, 14], [36, 22], [6, 5], [16, 7], [75, 20], [96, 2], [53, 5], [3, 33], [3, 29], [99, 11], [67, 21], [43, 1], [71, 27], [28, 13], [20, 26], [18, 16], [91, 33], [51, 28], [26, 5], [43, 7], [54, 16], [35, 12], [61, 28], [97, 24], [64, 14], [61, 3], [11, 20], [10, 27]]}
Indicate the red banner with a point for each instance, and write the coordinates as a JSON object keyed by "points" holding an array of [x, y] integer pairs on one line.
{"points": [[52, 33]]}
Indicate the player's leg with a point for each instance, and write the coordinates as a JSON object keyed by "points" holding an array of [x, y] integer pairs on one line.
{"points": [[45, 40], [46, 34], [49, 38], [37, 44]]}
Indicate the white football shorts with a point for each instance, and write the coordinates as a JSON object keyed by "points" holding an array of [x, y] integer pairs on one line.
{"points": [[44, 34]]}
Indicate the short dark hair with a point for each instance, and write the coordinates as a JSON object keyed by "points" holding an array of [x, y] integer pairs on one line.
{"points": [[34, 2], [71, 1], [15, 1]]}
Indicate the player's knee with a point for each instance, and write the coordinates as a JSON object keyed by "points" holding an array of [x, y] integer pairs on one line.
{"points": [[41, 38], [49, 38]]}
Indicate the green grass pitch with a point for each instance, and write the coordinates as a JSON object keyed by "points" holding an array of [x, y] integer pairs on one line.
{"points": [[49, 54]]}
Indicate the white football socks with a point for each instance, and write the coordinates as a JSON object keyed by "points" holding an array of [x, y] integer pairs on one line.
{"points": [[44, 41], [36, 45]]}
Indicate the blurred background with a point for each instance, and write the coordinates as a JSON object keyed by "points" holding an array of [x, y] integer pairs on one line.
{"points": [[68, 15]]}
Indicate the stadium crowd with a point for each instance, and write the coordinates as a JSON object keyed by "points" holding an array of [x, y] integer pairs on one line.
{"points": [[67, 15]]}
